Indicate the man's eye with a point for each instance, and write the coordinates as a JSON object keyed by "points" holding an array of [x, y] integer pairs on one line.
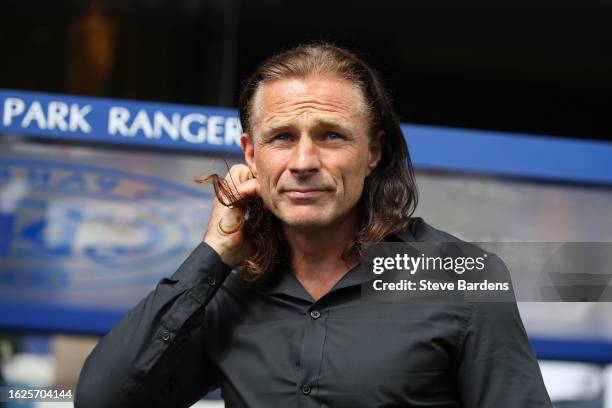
{"points": [[334, 136], [281, 136]]}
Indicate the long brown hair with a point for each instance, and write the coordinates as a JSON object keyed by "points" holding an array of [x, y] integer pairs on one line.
{"points": [[389, 195]]}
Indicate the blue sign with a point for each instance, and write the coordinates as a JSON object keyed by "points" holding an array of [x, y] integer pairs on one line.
{"points": [[89, 119]]}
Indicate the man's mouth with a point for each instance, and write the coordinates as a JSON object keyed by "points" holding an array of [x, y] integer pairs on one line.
{"points": [[304, 194]]}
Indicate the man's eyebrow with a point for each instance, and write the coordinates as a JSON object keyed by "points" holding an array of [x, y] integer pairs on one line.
{"points": [[276, 127], [319, 123], [340, 124]]}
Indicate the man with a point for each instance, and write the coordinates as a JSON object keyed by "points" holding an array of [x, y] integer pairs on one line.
{"points": [[327, 170]]}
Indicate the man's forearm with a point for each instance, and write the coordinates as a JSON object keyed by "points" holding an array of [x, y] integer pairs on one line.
{"points": [[136, 352]]}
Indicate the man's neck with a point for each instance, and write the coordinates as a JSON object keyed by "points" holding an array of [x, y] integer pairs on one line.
{"points": [[316, 255]]}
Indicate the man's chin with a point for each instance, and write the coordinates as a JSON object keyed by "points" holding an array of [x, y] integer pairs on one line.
{"points": [[305, 224], [310, 219], [305, 221]]}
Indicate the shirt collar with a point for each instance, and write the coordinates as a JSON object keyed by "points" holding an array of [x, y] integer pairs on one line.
{"points": [[285, 283]]}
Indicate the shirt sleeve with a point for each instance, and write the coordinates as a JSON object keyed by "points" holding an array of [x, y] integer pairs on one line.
{"points": [[156, 355], [496, 366]]}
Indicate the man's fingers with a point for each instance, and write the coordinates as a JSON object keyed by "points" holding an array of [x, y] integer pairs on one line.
{"points": [[238, 176], [245, 173], [249, 187], [239, 173]]}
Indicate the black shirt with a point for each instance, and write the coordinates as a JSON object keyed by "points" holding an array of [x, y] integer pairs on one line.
{"points": [[274, 346]]}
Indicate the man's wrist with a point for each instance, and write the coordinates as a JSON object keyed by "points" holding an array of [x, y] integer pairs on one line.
{"points": [[202, 270], [222, 252]]}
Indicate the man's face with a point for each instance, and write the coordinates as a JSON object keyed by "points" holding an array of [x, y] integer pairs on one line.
{"points": [[310, 150]]}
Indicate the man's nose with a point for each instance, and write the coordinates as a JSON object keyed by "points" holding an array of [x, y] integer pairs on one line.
{"points": [[305, 158]]}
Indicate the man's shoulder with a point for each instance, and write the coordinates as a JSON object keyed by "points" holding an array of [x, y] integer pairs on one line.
{"points": [[420, 231]]}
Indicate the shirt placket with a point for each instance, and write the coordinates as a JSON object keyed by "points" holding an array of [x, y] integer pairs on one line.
{"points": [[311, 356]]}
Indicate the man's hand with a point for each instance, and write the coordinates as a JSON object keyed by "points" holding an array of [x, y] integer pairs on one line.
{"points": [[233, 248]]}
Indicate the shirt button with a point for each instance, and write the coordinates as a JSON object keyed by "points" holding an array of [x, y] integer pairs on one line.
{"points": [[306, 389], [211, 280], [315, 314], [165, 335]]}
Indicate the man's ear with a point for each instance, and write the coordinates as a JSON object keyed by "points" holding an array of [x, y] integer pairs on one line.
{"points": [[246, 142], [375, 150]]}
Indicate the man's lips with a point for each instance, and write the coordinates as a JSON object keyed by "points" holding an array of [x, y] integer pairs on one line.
{"points": [[304, 194]]}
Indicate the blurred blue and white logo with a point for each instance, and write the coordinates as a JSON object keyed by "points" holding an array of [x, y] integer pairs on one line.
{"points": [[84, 234]]}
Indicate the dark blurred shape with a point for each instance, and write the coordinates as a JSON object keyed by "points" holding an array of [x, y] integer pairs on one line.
{"points": [[91, 52]]}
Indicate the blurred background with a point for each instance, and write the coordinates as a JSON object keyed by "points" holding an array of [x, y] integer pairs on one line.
{"points": [[506, 109]]}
